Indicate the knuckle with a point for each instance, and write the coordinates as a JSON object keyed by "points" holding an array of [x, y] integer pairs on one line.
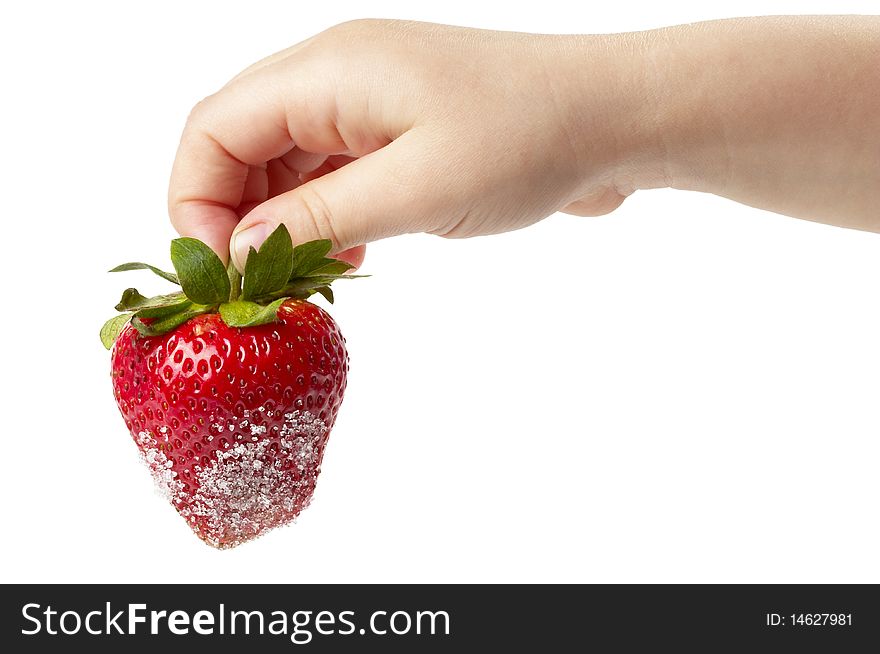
{"points": [[358, 35], [199, 111], [357, 25]]}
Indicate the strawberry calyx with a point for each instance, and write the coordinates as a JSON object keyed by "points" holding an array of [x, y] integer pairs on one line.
{"points": [[274, 273]]}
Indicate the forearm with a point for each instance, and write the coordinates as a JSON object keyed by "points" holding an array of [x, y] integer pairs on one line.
{"points": [[778, 113]]}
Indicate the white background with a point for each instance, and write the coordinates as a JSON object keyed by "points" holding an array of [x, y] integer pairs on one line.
{"points": [[684, 391]]}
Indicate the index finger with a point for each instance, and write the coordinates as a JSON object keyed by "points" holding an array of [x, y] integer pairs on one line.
{"points": [[224, 134]]}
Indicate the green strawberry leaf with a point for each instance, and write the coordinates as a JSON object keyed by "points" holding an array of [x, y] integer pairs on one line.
{"points": [[330, 267], [132, 300], [268, 269], [171, 277], [202, 274], [249, 314], [169, 320], [327, 292], [164, 310], [308, 256], [112, 328], [303, 287], [274, 273]]}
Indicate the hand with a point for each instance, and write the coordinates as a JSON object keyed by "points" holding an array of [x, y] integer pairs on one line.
{"points": [[378, 128]]}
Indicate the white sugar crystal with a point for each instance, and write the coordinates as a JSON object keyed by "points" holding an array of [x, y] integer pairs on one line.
{"points": [[249, 487], [238, 495], [160, 468]]}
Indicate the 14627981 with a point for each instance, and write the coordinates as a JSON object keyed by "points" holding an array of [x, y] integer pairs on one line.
{"points": [[809, 620], [821, 619]]}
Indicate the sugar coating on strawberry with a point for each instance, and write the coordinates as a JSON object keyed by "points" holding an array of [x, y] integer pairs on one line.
{"points": [[249, 488], [230, 400]]}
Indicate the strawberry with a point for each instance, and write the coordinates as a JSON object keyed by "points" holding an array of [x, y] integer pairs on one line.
{"points": [[230, 387]]}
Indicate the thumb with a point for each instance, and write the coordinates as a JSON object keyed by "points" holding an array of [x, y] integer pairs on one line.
{"points": [[394, 190]]}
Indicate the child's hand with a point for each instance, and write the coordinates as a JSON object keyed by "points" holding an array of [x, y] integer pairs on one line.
{"points": [[378, 128], [452, 131]]}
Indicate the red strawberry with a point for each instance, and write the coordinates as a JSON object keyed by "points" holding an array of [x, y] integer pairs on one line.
{"points": [[231, 401]]}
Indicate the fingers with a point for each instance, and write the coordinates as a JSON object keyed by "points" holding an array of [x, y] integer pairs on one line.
{"points": [[242, 127], [207, 221], [354, 256], [395, 190], [256, 189], [301, 161]]}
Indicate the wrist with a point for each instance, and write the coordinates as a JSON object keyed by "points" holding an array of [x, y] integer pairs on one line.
{"points": [[684, 76], [616, 110]]}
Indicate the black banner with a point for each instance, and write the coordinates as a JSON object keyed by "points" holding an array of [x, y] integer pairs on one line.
{"points": [[439, 618]]}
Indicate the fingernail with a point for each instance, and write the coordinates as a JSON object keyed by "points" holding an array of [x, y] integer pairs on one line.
{"points": [[250, 237]]}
